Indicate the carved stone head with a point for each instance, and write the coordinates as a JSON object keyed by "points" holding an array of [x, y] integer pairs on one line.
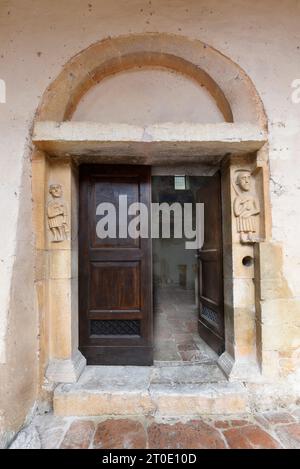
{"points": [[55, 190], [243, 180]]}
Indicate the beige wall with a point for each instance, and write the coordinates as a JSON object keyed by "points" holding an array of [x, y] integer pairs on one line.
{"points": [[37, 37]]}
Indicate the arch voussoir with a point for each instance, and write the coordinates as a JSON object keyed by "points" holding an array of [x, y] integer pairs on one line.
{"points": [[230, 87]]}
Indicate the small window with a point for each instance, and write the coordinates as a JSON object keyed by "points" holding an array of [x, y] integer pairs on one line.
{"points": [[179, 183]]}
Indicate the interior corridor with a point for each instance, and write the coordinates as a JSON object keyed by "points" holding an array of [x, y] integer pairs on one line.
{"points": [[176, 337]]}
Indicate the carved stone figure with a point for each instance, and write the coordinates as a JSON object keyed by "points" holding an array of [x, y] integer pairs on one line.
{"points": [[57, 215], [245, 207]]}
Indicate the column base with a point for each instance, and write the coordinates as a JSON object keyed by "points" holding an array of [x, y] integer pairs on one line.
{"points": [[66, 371], [240, 369]]}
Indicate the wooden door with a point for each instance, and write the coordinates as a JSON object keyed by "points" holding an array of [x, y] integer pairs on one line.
{"points": [[210, 265], [115, 275]]}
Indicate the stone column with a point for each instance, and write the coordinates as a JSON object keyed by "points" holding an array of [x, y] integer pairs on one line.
{"points": [[66, 362], [239, 361]]}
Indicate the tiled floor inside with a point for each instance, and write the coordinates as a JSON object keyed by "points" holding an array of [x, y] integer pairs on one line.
{"points": [[176, 337]]}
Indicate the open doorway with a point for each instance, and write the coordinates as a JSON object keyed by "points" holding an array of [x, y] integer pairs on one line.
{"points": [[182, 296], [115, 282]]}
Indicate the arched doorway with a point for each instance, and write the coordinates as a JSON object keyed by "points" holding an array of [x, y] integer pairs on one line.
{"points": [[237, 145]]}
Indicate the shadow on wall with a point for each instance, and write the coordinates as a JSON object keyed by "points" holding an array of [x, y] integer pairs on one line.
{"points": [[19, 375]]}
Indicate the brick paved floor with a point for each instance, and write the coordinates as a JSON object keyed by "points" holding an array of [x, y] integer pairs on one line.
{"points": [[280, 429]]}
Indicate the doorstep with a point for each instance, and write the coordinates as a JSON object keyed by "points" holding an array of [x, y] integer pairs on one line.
{"points": [[164, 391]]}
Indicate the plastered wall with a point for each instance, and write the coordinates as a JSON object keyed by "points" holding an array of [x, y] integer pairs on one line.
{"points": [[37, 37]]}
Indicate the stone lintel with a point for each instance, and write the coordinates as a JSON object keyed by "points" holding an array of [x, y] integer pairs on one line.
{"points": [[153, 144]]}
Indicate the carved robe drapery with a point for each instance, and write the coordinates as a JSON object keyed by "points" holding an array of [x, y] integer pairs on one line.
{"points": [[57, 215], [245, 209]]}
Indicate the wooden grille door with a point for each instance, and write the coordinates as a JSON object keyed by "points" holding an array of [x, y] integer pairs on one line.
{"points": [[115, 278], [210, 265]]}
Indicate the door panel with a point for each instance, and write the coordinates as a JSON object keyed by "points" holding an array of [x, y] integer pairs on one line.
{"points": [[120, 285], [115, 278], [103, 190], [210, 265]]}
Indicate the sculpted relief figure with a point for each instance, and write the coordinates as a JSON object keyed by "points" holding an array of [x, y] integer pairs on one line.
{"points": [[57, 215], [246, 207]]}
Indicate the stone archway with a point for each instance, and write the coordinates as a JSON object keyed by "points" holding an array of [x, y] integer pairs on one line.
{"points": [[60, 145], [229, 85]]}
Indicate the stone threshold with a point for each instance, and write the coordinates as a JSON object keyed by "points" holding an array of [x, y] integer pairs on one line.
{"points": [[163, 391]]}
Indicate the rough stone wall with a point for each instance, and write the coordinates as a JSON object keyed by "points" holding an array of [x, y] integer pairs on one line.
{"points": [[37, 37]]}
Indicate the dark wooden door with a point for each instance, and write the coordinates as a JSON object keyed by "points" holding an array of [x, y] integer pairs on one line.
{"points": [[210, 265], [115, 278]]}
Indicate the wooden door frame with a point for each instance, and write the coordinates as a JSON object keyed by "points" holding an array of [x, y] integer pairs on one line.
{"points": [[212, 331]]}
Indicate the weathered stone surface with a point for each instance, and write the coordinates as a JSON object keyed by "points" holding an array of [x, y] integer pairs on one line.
{"points": [[79, 435], [224, 424], [289, 435], [103, 403], [199, 399], [27, 439], [274, 418], [106, 391], [200, 373], [193, 356], [296, 414], [51, 438], [233, 431], [51, 430], [167, 390], [249, 437], [121, 433], [160, 143], [194, 434]]}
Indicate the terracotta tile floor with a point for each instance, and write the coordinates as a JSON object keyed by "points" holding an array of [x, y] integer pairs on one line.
{"points": [[176, 335], [280, 429], [176, 339]]}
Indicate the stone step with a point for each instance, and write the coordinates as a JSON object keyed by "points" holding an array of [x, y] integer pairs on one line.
{"points": [[161, 391]]}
